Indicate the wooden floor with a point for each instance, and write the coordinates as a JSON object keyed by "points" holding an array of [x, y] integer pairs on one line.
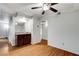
{"points": [[3, 47], [39, 49]]}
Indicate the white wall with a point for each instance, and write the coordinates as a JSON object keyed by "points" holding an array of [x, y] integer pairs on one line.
{"points": [[20, 28], [4, 27], [63, 31], [12, 31], [29, 25], [24, 27], [3, 30]]}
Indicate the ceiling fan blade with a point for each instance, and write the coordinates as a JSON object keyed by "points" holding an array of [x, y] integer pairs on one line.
{"points": [[43, 12], [54, 10], [53, 4], [35, 7]]}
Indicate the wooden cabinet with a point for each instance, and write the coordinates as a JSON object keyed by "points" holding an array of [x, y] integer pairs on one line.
{"points": [[23, 39]]}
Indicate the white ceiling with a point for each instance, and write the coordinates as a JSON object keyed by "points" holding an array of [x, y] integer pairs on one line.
{"points": [[25, 8], [21, 8]]}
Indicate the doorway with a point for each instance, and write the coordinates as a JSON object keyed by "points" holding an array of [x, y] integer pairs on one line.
{"points": [[4, 31], [44, 31]]}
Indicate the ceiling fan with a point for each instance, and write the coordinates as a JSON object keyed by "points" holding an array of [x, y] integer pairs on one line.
{"points": [[47, 6]]}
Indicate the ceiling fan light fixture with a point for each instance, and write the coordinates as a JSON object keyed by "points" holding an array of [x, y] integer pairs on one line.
{"points": [[45, 7]]}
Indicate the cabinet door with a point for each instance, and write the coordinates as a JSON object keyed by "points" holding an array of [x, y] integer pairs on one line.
{"points": [[19, 40], [25, 40], [28, 38]]}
